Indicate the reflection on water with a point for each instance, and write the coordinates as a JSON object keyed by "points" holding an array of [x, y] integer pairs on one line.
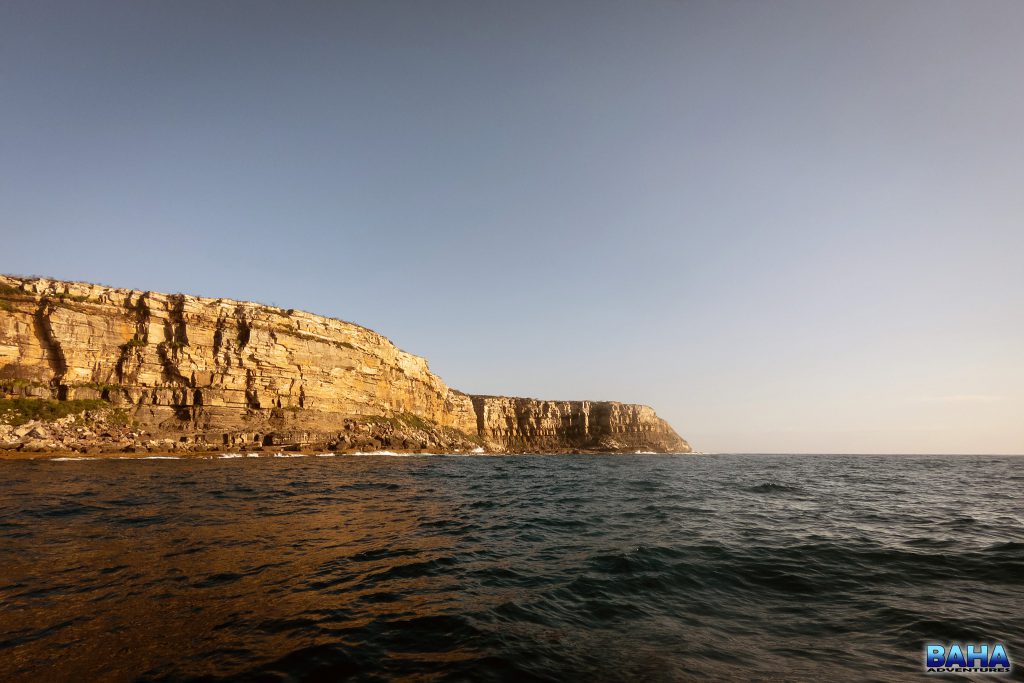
{"points": [[609, 568]]}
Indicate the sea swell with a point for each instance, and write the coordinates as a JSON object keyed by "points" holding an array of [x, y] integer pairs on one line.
{"points": [[530, 568]]}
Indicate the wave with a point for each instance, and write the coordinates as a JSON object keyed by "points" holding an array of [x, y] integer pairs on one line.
{"points": [[393, 454], [772, 487]]}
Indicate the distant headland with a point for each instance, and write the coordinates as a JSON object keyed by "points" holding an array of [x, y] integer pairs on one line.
{"points": [[92, 369]]}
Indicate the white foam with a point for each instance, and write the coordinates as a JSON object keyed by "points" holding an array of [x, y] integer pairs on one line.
{"points": [[231, 455], [393, 454], [160, 457], [478, 450], [252, 455], [290, 455], [420, 455], [56, 459], [325, 455]]}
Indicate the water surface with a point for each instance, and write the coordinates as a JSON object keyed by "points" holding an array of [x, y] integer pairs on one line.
{"points": [[506, 568]]}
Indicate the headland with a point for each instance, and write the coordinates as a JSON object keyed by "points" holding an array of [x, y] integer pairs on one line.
{"points": [[91, 369]]}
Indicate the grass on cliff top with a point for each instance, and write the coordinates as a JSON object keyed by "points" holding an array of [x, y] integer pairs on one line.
{"points": [[18, 411], [7, 290]]}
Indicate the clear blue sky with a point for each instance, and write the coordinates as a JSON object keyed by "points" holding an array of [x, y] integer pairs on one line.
{"points": [[788, 226]]}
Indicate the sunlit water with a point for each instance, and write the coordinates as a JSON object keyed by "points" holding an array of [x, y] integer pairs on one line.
{"points": [[515, 568]]}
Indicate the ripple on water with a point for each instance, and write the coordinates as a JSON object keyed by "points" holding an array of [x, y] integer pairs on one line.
{"points": [[526, 568]]}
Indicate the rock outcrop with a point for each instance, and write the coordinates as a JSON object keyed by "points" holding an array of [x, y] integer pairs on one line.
{"points": [[530, 425], [215, 372]]}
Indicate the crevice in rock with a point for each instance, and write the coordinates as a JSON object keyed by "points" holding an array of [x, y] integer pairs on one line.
{"points": [[218, 337], [131, 350], [244, 327], [478, 408], [168, 353], [251, 396], [121, 368], [174, 327], [141, 309], [48, 341]]}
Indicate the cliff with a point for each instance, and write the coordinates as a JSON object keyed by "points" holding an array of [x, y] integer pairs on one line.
{"points": [[531, 425], [198, 373]]}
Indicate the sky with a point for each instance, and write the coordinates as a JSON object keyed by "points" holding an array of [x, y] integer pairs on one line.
{"points": [[787, 226]]}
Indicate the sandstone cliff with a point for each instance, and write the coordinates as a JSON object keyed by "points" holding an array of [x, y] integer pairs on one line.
{"points": [[217, 372], [530, 425]]}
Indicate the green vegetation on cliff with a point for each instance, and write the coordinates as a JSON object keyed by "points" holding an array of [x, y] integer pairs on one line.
{"points": [[17, 411]]}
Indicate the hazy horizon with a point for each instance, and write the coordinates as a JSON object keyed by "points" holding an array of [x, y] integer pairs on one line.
{"points": [[788, 227]]}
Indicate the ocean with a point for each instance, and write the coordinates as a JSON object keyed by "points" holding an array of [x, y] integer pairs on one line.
{"points": [[544, 568]]}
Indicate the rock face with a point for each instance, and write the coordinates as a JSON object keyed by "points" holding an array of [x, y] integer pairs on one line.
{"points": [[223, 372], [529, 425]]}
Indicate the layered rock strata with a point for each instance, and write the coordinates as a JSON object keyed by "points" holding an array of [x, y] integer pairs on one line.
{"points": [[216, 372], [528, 425]]}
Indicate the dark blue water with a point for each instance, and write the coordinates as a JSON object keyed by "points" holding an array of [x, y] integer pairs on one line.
{"points": [[521, 568]]}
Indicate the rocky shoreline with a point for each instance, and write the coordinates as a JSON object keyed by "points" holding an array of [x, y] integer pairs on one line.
{"points": [[109, 431], [217, 455], [105, 434]]}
